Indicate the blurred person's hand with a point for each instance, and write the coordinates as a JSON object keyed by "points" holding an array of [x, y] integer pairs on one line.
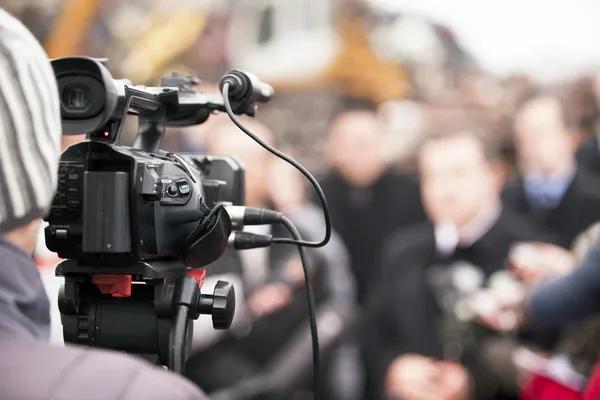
{"points": [[504, 319], [500, 305], [527, 363], [533, 262], [454, 381], [269, 298], [415, 377]]}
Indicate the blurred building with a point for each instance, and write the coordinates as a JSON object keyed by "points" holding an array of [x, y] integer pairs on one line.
{"points": [[316, 53]]}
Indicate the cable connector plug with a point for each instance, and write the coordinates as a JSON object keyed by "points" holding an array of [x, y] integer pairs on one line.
{"points": [[241, 216], [241, 240], [261, 216]]}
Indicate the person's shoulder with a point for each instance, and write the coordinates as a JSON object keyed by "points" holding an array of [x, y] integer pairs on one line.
{"points": [[588, 184], [512, 185], [512, 195], [587, 149], [157, 383], [329, 178], [415, 238], [136, 379], [515, 227], [332, 185], [404, 178], [406, 253], [74, 372]]}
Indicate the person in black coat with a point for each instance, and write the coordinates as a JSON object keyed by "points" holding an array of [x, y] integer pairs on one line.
{"points": [[588, 155], [551, 188], [367, 199], [460, 185]]}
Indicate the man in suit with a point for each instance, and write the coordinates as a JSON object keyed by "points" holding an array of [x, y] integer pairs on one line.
{"points": [[551, 189], [588, 154], [367, 199], [460, 186]]}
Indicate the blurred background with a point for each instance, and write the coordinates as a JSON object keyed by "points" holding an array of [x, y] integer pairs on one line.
{"points": [[421, 62], [417, 68]]}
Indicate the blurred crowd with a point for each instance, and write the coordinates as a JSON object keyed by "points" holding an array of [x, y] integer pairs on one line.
{"points": [[452, 193]]}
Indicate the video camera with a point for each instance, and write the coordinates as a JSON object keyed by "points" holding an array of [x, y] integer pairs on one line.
{"points": [[133, 222]]}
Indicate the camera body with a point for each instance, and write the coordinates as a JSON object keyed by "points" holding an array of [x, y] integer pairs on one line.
{"points": [[117, 205]]}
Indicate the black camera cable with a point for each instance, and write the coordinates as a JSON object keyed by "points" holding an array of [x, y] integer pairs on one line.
{"points": [[292, 162], [296, 237], [241, 240], [311, 301]]}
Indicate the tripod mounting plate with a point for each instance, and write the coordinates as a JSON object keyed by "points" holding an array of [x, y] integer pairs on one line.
{"points": [[142, 270]]}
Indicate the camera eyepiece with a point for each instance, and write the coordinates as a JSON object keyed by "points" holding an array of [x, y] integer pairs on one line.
{"points": [[88, 94]]}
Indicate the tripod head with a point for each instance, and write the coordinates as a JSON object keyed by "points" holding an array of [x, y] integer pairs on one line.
{"points": [[144, 308]]}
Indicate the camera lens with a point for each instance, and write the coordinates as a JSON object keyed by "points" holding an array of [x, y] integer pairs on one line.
{"points": [[77, 97]]}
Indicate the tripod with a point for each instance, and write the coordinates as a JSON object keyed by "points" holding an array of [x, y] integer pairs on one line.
{"points": [[142, 309]]}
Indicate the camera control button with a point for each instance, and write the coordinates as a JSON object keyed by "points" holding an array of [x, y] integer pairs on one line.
{"points": [[172, 190], [184, 186]]}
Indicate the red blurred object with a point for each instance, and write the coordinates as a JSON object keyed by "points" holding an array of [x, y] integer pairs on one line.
{"points": [[543, 388], [199, 274], [593, 387], [120, 285], [115, 285]]}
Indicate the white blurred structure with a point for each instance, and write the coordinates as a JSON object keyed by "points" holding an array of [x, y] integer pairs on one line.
{"points": [[283, 40], [549, 39], [404, 122], [294, 42]]}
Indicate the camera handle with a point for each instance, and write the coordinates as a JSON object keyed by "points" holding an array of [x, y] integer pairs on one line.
{"points": [[150, 320]]}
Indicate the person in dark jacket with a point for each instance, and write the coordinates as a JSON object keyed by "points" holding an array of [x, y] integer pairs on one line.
{"points": [[588, 155], [551, 189], [367, 199], [460, 185], [30, 135]]}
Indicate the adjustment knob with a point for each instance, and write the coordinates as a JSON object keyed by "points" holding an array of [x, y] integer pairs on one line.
{"points": [[221, 305]]}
